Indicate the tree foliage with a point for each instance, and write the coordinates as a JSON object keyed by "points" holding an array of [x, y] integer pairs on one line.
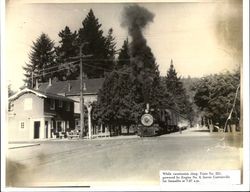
{"points": [[110, 46], [145, 76], [176, 95], [128, 88], [215, 96], [123, 57], [100, 48], [65, 53], [116, 102], [41, 58], [63, 59], [10, 91]]}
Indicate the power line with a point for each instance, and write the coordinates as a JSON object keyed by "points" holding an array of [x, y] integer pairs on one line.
{"points": [[105, 70], [63, 69], [108, 59], [49, 72], [64, 64], [102, 59], [88, 65], [75, 62]]}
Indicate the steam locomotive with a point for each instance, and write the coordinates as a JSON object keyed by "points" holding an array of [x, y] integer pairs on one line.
{"points": [[157, 122]]}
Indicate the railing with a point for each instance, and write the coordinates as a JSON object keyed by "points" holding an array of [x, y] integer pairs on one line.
{"points": [[106, 134]]}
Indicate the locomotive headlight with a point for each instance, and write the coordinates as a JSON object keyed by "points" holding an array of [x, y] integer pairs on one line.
{"points": [[147, 120]]}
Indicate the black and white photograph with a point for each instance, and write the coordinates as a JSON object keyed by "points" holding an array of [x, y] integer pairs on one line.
{"points": [[125, 95]]}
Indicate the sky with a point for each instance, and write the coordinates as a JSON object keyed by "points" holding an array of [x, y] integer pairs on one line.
{"points": [[202, 38]]}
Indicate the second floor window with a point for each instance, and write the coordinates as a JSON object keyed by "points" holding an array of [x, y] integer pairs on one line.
{"points": [[60, 104], [68, 106], [52, 104]]}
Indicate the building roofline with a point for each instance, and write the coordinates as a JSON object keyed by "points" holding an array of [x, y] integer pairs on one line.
{"points": [[39, 94], [19, 93], [77, 94], [62, 87]]}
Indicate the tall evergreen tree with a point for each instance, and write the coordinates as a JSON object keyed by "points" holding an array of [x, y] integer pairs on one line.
{"points": [[145, 75], [65, 52], [92, 34], [42, 57], [173, 83], [133, 84], [110, 45], [116, 104], [123, 57], [110, 48], [112, 97], [121, 100], [177, 93]]}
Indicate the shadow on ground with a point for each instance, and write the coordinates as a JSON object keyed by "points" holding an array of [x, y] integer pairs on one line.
{"points": [[201, 131], [13, 172], [234, 140]]}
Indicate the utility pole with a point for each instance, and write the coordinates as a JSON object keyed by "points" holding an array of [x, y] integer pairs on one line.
{"points": [[81, 90], [89, 107], [81, 94]]}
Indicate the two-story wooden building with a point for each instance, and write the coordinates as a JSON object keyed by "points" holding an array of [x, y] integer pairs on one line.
{"points": [[35, 114], [50, 109]]}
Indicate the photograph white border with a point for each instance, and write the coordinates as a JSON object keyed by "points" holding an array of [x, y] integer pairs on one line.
{"points": [[244, 186]]}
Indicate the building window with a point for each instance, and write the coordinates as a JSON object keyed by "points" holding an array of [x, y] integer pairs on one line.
{"points": [[52, 104], [27, 105], [60, 104], [68, 106], [67, 124], [21, 125]]}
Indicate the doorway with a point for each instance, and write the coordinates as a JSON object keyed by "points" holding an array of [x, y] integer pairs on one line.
{"points": [[59, 126], [36, 129]]}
